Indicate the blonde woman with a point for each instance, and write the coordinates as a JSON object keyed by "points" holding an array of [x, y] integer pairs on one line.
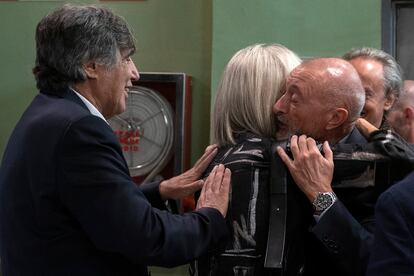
{"points": [[243, 127]]}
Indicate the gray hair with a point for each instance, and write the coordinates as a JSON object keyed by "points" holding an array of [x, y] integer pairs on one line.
{"points": [[250, 85], [392, 71], [73, 35]]}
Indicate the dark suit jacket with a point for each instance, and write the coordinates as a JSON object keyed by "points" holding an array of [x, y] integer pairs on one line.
{"points": [[340, 244], [69, 207], [393, 249], [346, 230]]}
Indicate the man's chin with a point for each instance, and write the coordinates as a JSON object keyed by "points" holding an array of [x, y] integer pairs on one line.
{"points": [[283, 134]]}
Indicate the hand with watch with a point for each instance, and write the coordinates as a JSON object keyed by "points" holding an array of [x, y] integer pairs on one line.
{"points": [[311, 170], [323, 202]]}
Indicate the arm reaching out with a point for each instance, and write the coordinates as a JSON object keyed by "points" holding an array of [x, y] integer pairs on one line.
{"points": [[188, 182]]}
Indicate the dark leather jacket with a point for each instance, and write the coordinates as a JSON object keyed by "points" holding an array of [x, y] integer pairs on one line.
{"points": [[247, 216]]}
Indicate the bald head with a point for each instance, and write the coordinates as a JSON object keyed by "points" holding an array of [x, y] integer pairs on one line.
{"points": [[409, 86], [406, 98], [323, 98], [337, 83]]}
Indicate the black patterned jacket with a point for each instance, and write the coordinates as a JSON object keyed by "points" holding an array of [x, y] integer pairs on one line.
{"points": [[247, 216]]}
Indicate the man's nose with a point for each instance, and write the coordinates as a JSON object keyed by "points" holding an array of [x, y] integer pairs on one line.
{"points": [[280, 106], [134, 71]]}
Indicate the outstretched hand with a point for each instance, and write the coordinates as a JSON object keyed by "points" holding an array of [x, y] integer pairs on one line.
{"points": [[311, 171], [215, 192], [188, 182]]}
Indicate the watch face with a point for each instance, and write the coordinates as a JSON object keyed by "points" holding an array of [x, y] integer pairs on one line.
{"points": [[145, 131], [323, 201]]}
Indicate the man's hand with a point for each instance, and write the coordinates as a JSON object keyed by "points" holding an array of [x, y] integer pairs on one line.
{"points": [[215, 192], [188, 182], [365, 127], [311, 171]]}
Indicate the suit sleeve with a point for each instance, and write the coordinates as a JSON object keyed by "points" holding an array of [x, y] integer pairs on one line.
{"points": [[152, 193], [95, 187], [393, 249], [346, 240]]}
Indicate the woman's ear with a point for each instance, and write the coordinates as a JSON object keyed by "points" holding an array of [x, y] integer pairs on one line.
{"points": [[336, 118]]}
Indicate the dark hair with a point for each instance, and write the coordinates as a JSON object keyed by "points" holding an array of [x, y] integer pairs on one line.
{"points": [[73, 35]]}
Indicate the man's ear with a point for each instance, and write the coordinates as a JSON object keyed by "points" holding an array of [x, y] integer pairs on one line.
{"points": [[336, 118], [408, 113], [389, 101], [90, 70]]}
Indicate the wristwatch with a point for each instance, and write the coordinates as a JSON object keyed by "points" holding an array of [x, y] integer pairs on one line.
{"points": [[323, 201]]}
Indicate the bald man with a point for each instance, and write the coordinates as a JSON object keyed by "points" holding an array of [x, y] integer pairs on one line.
{"points": [[401, 116], [324, 98]]}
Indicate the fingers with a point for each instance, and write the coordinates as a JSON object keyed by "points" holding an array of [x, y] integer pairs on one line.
{"points": [[210, 179], [303, 144], [210, 147], [206, 186], [218, 178], [201, 165], [365, 127], [294, 147], [194, 186], [225, 189], [215, 192], [300, 147], [225, 185], [327, 151], [285, 158], [311, 144]]}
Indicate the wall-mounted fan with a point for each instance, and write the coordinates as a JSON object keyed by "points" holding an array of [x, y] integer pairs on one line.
{"points": [[145, 131]]}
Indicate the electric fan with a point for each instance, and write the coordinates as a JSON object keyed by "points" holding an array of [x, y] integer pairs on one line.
{"points": [[145, 132]]}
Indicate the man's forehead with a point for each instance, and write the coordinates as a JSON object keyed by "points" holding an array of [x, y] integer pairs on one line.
{"points": [[368, 67], [299, 75], [315, 71]]}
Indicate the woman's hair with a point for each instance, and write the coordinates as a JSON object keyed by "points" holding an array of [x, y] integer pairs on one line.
{"points": [[251, 83], [73, 35]]}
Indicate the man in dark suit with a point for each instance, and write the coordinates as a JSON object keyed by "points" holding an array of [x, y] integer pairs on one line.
{"points": [[323, 100], [393, 249], [67, 203]]}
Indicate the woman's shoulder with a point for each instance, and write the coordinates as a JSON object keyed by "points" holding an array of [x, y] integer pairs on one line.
{"points": [[249, 147]]}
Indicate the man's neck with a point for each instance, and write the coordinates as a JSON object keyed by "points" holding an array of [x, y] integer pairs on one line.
{"points": [[410, 138], [340, 134], [86, 91]]}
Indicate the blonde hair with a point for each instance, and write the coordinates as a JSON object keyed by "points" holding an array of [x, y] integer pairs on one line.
{"points": [[250, 85]]}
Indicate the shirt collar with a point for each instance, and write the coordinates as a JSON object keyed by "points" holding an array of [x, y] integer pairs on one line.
{"points": [[94, 111], [342, 141]]}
